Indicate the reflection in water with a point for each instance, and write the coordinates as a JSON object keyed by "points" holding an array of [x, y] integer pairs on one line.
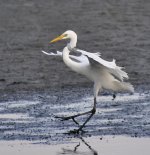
{"points": [[75, 151]]}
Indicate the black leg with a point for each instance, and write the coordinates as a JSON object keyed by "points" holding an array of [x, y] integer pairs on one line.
{"points": [[92, 112], [73, 116]]}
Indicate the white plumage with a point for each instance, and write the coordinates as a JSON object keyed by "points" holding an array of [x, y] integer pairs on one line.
{"points": [[104, 74]]}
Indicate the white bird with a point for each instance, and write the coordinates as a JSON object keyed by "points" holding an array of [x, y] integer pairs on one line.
{"points": [[104, 74]]}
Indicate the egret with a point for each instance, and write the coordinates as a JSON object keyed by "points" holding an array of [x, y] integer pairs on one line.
{"points": [[104, 74]]}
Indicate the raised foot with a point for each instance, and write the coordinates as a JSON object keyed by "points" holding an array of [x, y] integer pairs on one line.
{"points": [[114, 96]]}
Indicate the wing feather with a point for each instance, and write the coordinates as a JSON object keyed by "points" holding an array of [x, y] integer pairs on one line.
{"points": [[52, 53], [96, 57], [110, 66], [81, 59]]}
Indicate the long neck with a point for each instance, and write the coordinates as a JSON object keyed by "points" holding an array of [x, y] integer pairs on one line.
{"points": [[73, 41], [75, 66]]}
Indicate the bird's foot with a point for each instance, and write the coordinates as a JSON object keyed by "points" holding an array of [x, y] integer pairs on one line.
{"points": [[114, 96], [91, 112], [76, 131], [62, 118]]}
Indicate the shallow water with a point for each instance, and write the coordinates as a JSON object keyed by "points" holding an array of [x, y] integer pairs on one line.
{"points": [[106, 145], [117, 29], [28, 125], [30, 116]]}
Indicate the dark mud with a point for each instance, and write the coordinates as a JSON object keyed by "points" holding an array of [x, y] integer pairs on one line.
{"points": [[117, 29]]}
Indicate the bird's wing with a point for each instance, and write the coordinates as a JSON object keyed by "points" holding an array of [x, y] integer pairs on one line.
{"points": [[52, 53], [94, 58], [118, 73], [81, 59]]}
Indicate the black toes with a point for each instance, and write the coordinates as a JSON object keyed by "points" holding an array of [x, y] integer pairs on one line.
{"points": [[114, 96]]}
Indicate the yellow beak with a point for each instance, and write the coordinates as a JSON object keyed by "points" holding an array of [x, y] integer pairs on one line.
{"points": [[57, 39]]}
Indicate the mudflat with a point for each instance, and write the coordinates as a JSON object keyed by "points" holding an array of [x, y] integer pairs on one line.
{"points": [[34, 88]]}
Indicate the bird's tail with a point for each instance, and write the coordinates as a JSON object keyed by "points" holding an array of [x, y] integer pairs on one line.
{"points": [[123, 86]]}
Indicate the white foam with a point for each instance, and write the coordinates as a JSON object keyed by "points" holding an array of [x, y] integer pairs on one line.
{"points": [[14, 116], [19, 103]]}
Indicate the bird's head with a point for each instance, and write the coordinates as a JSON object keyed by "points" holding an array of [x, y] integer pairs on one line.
{"points": [[66, 35]]}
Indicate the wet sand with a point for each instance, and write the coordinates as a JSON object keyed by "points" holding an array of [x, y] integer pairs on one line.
{"points": [[107, 145]]}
